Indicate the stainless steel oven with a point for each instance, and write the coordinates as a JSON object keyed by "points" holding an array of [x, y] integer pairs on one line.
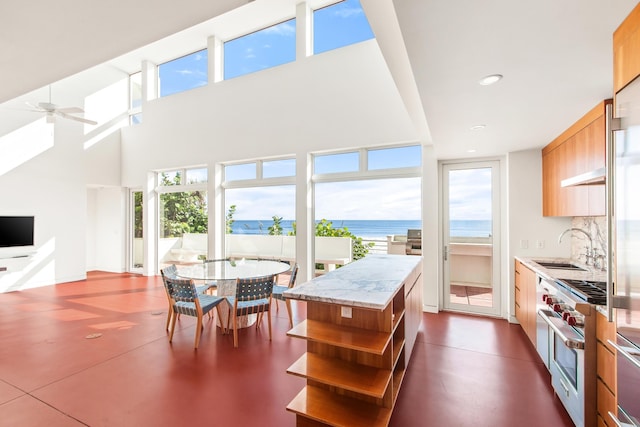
{"points": [[567, 365], [567, 328]]}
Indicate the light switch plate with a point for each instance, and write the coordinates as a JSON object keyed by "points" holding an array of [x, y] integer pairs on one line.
{"points": [[346, 312]]}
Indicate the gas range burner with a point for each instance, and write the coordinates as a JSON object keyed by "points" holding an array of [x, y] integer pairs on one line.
{"points": [[589, 291]]}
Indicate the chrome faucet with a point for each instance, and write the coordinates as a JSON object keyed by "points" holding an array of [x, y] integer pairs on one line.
{"points": [[589, 255]]}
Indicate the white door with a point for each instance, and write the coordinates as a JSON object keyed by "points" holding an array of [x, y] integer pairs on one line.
{"points": [[471, 236]]}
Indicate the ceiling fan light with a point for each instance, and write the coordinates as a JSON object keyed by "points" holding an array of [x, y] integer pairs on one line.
{"points": [[490, 79], [51, 118]]}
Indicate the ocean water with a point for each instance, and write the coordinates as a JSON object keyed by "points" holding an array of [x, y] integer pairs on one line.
{"points": [[369, 228]]}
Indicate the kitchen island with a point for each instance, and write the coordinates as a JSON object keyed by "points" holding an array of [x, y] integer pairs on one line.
{"points": [[361, 326]]}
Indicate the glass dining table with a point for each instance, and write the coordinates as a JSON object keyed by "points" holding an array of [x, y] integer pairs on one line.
{"points": [[225, 273]]}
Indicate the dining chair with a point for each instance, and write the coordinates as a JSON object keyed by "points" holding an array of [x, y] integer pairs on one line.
{"points": [[172, 271], [278, 290], [186, 300], [253, 296]]}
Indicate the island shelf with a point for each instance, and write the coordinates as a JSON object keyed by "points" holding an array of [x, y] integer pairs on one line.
{"points": [[362, 322]]}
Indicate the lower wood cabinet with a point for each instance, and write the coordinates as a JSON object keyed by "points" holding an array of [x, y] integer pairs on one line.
{"points": [[525, 299]]}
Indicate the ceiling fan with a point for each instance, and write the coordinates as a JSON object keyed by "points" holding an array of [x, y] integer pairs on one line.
{"points": [[53, 110]]}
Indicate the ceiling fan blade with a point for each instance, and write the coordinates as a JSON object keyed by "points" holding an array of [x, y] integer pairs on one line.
{"points": [[35, 108], [77, 119], [70, 110]]}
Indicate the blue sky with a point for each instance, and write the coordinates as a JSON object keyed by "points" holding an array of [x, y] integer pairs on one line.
{"points": [[335, 26]]}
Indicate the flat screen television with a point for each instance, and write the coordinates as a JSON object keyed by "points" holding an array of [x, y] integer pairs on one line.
{"points": [[16, 231]]}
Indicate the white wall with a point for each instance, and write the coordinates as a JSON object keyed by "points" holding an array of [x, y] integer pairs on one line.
{"points": [[335, 100], [44, 171], [525, 220]]}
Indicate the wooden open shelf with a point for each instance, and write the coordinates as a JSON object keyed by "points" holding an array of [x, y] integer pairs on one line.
{"points": [[342, 336], [354, 366], [332, 409], [358, 378]]}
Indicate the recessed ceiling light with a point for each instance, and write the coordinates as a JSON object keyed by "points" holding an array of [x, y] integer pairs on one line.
{"points": [[471, 151], [478, 127], [490, 79]]}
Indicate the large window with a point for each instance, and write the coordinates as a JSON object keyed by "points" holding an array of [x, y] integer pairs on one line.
{"points": [[187, 72], [263, 49], [183, 216], [371, 195], [339, 25], [260, 201]]}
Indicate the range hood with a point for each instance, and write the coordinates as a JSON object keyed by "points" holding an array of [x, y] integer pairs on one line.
{"points": [[594, 177]]}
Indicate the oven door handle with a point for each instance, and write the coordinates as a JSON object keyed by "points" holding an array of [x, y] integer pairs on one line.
{"points": [[628, 352], [558, 325]]}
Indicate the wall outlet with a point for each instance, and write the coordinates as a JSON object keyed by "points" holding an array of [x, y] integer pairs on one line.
{"points": [[524, 244], [540, 244], [346, 312]]}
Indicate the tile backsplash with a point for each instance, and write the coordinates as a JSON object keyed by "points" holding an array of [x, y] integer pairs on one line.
{"points": [[596, 226]]}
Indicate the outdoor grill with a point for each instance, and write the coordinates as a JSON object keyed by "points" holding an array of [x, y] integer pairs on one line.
{"points": [[414, 242]]}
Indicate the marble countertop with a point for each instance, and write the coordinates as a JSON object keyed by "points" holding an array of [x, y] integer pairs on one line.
{"points": [[370, 282], [589, 273]]}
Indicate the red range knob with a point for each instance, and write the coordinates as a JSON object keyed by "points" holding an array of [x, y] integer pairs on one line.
{"points": [[574, 321], [566, 315], [545, 297], [557, 308]]}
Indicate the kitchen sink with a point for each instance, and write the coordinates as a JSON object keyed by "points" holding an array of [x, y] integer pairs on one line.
{"points": [[560, 265]]}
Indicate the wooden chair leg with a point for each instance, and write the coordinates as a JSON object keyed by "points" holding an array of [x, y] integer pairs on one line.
{"points": [[288, 303], [169, 316], [269, 320], [173, 326], [235, 331], [199, 328], [223, 328]]}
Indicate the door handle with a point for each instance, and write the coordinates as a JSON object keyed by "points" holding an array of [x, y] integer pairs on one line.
{"points": [[446, 252]]}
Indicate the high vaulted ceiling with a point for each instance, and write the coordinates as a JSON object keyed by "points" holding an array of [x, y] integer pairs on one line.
{"points": [[556, 56]]}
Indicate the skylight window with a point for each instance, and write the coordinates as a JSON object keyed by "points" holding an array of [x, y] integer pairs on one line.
{"points": [[272, 46], [339, 25], [181, 74]]}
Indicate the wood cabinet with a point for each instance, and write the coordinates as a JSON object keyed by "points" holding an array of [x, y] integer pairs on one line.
{"points": [[525, 299], [579, 149], [626, 45], [606, 370], [355, 361]]}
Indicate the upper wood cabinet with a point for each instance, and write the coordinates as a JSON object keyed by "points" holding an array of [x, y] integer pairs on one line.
{"points": [[579, 149], [626, 45]]}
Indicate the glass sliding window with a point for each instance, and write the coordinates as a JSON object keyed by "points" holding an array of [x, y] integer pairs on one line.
{"points": [[260, 50], [278, 168], [391, 158], [336, 163], [339, 25], [187, 72]]}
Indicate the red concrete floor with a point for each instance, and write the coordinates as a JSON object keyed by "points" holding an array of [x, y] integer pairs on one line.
{"points": [[465, 371]]}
